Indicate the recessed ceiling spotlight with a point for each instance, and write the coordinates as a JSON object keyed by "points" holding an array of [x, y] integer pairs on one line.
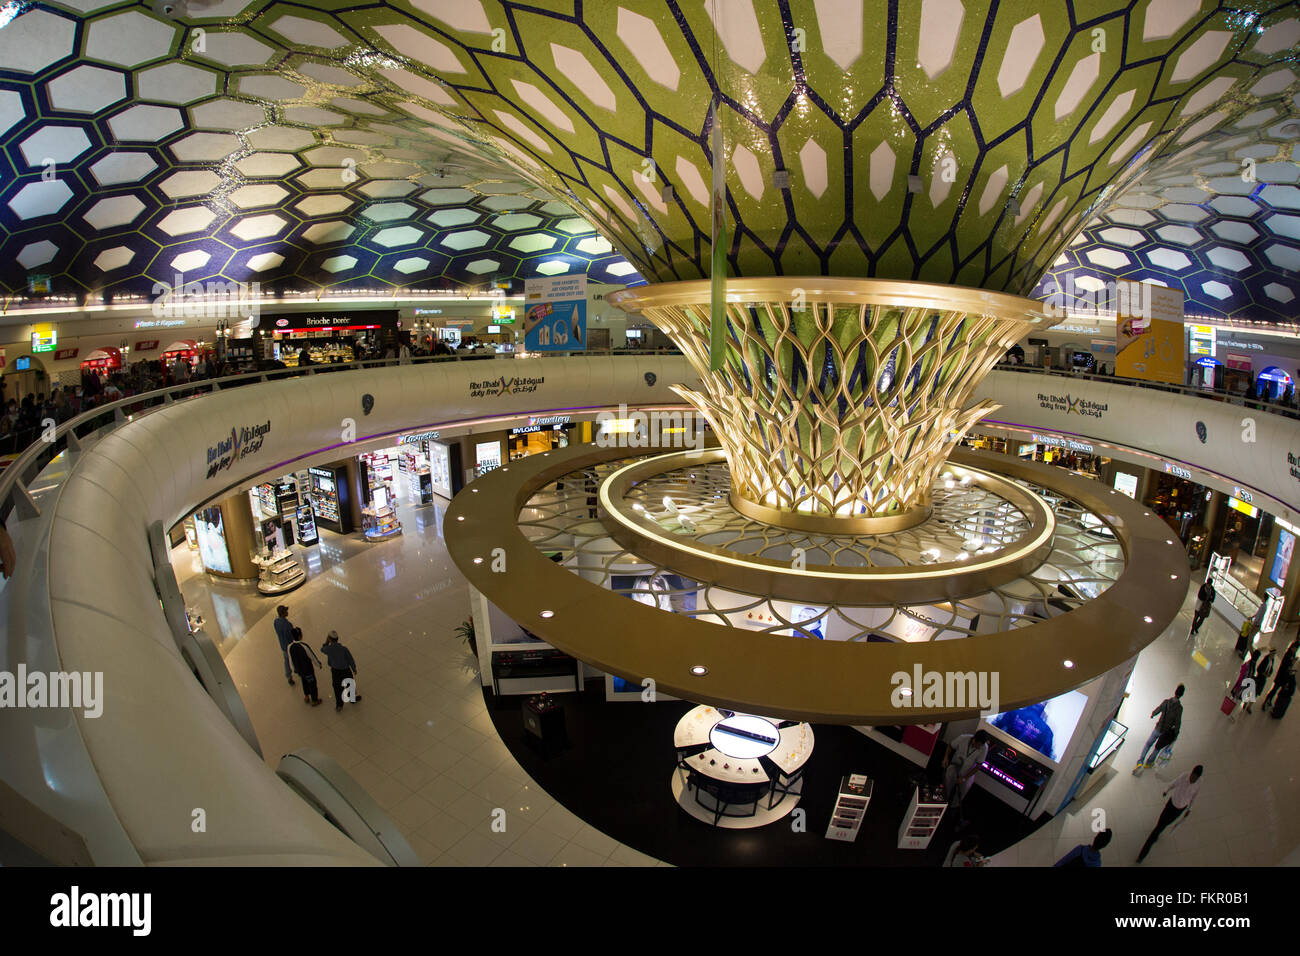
{"points": [[1173, 577], [1147, 619], [1169, 540], [460, 517], [548, 614], [699, 670], [478, 560], [1069, 665]]}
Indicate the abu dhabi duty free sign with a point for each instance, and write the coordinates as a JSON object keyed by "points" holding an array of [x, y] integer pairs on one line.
{"points": [[555, 314]]}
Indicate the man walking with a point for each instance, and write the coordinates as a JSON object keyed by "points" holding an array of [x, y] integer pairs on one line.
{"points": [[284, 634], [305, 663], [1179, 804], [1204, 605], [342, 666], [1170, 711], [960, 765], [1087, 854]]}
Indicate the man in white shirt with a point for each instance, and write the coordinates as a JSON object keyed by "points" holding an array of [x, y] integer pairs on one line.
{"points": [[1184, 791], [960, 766]]}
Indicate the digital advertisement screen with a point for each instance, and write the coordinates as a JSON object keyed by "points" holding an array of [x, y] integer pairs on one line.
{"points": [[440, 468], [212, 540], [1045, 727], [810, 621], [1282, 560]]}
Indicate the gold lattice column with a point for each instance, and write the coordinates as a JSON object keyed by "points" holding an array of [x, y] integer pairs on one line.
{"points": [[839, 398]]}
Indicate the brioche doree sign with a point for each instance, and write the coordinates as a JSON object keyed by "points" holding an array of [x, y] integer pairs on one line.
{"points": [[1149, 338]]}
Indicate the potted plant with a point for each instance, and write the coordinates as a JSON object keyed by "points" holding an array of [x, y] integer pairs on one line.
{"points": [[466, 632]]}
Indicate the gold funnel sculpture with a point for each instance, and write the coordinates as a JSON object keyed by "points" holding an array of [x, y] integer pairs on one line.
{"points": [[839, 398]]}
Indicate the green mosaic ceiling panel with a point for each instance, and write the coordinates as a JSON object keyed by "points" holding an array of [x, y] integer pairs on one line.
{"points": [[964, 141]]}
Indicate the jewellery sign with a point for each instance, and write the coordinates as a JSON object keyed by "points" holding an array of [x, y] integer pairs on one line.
{"points": [[1150, 342], [241, 443], [555, 314]]}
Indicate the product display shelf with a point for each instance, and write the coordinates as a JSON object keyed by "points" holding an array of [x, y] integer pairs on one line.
{"points": [[850, 808], [279, 573], [379, 524], [922, 818]]}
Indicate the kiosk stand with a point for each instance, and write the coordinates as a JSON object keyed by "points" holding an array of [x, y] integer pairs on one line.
{"points": [[922, 817], [850, 808]]}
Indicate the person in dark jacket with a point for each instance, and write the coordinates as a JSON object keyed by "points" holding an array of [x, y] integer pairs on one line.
{"points": [[305, 663], [342, 666], [1284, 667], [1204, 604], [1087, 854], [1263, 670], [284, 634]]}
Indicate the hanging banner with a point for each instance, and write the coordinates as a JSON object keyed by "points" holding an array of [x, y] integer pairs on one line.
{"points": [[718, 270], [555, 314], [1150, 342]]}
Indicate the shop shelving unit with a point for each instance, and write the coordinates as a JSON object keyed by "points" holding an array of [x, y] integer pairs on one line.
{"points": [[379, 524], [850, 808], [922, 818], [280, 573]]}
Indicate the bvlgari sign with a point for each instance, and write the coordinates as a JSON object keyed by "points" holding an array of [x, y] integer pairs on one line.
{"points": [[239, 444]]}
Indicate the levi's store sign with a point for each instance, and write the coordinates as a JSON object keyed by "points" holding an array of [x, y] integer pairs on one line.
{"points": [[328, 322]]}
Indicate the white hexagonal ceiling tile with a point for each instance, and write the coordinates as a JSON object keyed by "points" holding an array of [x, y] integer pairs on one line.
{"points": [[644, 41], [308, 32], [552, 267], [250, 228], [572, 65], [1023, 49], [395, 236], [271, 86], [129, 39], [205, 147], [410, 265], [280, 138], [40, 199], [812, 161], [257, 165], [86, 89], [1282, 225], [1081, 80], [689, 176], [324, 233], [1284, 257], [620, 268], [37, 254], [122, 166], [533, 242], [1107, 258], [737, 27], [190, 261], [453, 217], [881, 170], [1278, 292], [175, 83], [481, 266], [145, 124], [1116, 111], [388, 211], [595, 246], [1164, 18], [513, 222], [114, 211], [993, 188], [1182, 235], [261, 194], [1234, 231], [34, 40], [1169, 259], [467, 239], [313, 206], [1122, 237], [234, 49], [1283, 35], [264, 261], [1200, 56], [186, 221], [1229, 259], [421, 48], [57, 144], [1216, 289], [190, 182], [114, 258], [339, 263], [940, 27]]}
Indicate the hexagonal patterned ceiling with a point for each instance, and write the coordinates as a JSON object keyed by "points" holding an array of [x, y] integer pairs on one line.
{"points": [[422, 142]]}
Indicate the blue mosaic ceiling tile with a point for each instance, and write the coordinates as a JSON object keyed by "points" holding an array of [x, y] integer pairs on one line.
{"points": [[956, 141]]}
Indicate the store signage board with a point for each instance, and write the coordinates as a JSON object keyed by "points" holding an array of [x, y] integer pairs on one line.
{"points": [[1243, 494], [61, 354], [417, 438], [1201, 339], [1239, 505], [326, 322], [1177, 471], [1149, 340], [1126, 484], [503, 314], [146, 346], [159, 323], [45, 341], [555, 314], [1241, 363], [1057, 441]]}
